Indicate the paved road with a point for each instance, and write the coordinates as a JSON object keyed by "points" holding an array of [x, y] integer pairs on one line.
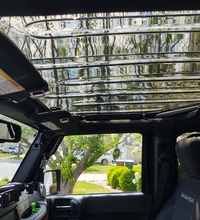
{"points": [[8, 168]]}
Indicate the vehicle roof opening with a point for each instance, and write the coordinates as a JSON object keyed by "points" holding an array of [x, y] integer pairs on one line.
{"points": [[125, 62]]}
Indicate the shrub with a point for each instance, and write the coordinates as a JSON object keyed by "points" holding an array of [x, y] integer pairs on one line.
{"points": [[114, 176], [126, 181], [114, 182], [138, 182], [109, 174], [131, 180], [137, 169]]}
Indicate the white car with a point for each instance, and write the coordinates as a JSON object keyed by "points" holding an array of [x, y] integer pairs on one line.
{"points": [[10, 149], [106, 158]]}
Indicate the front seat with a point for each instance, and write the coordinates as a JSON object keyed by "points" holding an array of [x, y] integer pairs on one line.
{"points": [[185, 203]]}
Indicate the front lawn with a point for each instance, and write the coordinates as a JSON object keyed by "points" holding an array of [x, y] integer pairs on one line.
{"points": [[5, 155], [98, 168], [4, 181], [83, 187], [10, 156]]}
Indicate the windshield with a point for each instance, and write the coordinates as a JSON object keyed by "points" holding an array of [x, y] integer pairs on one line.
{"points": [[12, 154], [113, 62]]}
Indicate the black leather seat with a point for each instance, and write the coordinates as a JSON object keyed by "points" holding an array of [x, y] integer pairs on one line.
{"points": [[185, 203]]}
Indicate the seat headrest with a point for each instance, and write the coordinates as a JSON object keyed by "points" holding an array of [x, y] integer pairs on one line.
{"points": [[188, 152]]}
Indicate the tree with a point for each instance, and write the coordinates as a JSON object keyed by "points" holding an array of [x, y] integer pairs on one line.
{"points": [[79, 152], [116, 153], [28, 135]]}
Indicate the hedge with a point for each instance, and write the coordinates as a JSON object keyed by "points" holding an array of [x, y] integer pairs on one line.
{"points": [[125, 179], [109, 175], [137, 169], [114, 177]]}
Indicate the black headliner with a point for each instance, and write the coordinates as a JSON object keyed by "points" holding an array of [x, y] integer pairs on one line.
{"points": [[50, 7]]}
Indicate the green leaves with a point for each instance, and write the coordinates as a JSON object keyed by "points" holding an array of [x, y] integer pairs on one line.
{"points": [[79, 152]]}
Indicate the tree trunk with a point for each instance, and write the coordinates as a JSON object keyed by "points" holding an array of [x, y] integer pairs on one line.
{"points": [[68, 186]]}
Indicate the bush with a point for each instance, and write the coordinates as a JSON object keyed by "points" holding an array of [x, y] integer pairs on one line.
{"points": [[114, 176], [109, 174], [131, 180], [138, 182], [137, 169], [126, 181]]}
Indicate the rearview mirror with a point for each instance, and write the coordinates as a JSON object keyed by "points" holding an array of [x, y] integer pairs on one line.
{"points": [[9, 132]]}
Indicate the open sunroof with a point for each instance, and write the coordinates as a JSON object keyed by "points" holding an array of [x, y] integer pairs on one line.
{"points": [[114, 62]]}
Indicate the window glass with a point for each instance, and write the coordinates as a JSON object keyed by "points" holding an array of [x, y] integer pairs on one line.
{"points": [[11, 154], [102, 163]]}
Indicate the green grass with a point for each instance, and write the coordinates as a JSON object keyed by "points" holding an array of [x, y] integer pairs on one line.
{"points": [[4, 181], [97, 168], [83, 187], [4, 155], [20, 157]]}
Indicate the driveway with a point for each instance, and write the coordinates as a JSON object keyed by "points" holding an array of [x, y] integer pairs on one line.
{"points": [[93, 178], [96, 178]]}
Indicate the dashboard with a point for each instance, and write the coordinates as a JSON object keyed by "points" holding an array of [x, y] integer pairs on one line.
{"points": [[21, 202], [29, 202]]}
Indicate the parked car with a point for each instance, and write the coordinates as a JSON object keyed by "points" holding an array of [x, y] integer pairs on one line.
{"points": [[106, 158], [10, 149]]}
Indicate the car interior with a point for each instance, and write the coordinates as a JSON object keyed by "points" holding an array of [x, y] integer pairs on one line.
{"points": [[97, 68]]}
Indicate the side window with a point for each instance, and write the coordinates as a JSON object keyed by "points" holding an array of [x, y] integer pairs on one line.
{"points": [[12, 154], [103, 163]]}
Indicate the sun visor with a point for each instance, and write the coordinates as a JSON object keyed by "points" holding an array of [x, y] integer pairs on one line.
{"points": [[17, 74], [8, 85]]}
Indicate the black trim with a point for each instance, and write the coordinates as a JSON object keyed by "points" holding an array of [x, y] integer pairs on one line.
{"points": [[51, 7]]}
